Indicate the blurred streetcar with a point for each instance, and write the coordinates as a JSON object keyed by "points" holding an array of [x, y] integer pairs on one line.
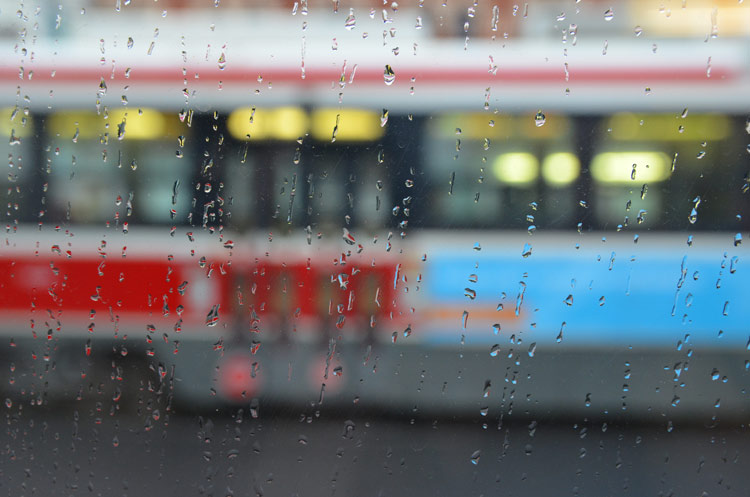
{"points": [[401, 246]]}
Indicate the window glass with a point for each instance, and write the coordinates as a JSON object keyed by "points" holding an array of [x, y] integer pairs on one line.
{"points": [[374, 248]]}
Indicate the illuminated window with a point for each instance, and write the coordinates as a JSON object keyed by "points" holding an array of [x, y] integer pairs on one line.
{"points": [[627, 167], [561, 168], [516, 168]]}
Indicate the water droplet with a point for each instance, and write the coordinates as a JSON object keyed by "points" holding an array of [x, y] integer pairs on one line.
{"points": [[733, 264], [121, 130], [540, 119], [487, 387], [693, 218], [388, 75], [560, 335], [351, 21], [609, 15], [526, 250], [384, 118], [495, 350], [102, 87], [475, 457], [213, 316], [520, 297], [348, 237]]}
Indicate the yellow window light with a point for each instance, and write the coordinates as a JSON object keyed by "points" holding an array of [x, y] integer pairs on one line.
{"points": [[135, 124], [349, 125], [282, 123], [13, 121], [561, 168], [693, 18], [516, 168], [668, 127], [478, 126], [75, 124], [630, 167], [474, 126], [126, 124], [554, 126]]}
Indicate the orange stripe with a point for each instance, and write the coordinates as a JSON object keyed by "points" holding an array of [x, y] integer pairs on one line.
{"points": [[483, 313]]}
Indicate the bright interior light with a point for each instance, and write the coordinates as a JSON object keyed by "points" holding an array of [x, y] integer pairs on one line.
{"points": [[516, 168], [733, 19], [350, 125], [478, 126], [20, 125], [473, 126], [560, 168], [288, 123], [81, 124], [144, 124], [626, 126], [282, 123], [629, 167]]}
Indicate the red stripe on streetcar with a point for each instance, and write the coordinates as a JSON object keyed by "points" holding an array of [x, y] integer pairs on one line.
{"points": [[316, 76]]}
